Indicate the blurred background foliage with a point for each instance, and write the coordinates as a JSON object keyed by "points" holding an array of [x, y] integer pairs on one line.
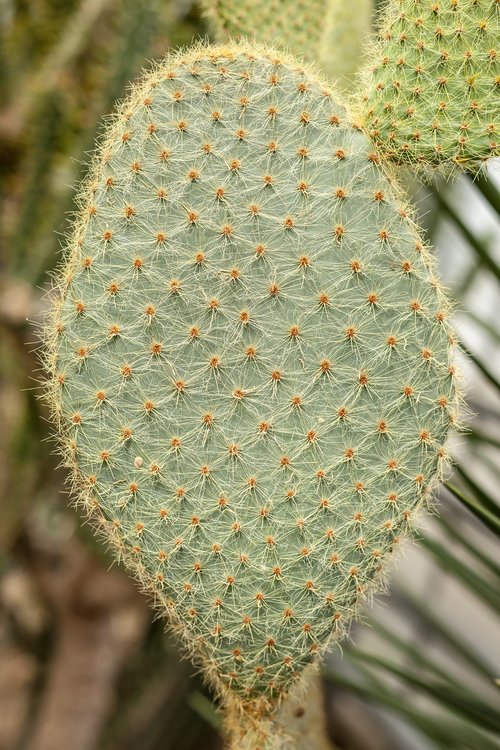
{"points": [[82, 666]]}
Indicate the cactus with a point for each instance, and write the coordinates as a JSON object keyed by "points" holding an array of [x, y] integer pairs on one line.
{"points": [[327, 32], [432, 97], [288, 23], [250, 365], [347, 29]]}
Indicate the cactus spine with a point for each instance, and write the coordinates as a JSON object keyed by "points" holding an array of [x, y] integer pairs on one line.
{"points": [[249, 362]]}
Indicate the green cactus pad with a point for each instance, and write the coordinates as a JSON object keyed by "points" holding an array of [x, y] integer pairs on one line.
{"points": [[249, 360], [433, 95]]}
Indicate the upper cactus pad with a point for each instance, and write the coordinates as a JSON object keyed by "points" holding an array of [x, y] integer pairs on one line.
{"points": [[249, 359], [433, 94]]}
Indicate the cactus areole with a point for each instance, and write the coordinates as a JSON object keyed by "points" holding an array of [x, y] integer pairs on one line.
{"points": [[249, 360]]}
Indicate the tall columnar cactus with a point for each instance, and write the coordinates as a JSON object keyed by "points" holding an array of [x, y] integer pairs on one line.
{"points": [[433, 94], [249, 364]]}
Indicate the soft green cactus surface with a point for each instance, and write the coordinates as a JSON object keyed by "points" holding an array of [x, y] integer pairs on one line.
{"points": [[433, 95], [250, 360]]}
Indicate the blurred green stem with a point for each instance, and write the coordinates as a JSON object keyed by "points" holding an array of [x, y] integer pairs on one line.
{"points": [[71, 40]]}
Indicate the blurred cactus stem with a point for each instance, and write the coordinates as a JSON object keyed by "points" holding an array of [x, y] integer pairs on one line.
{"points": [[43, 81], [299, 724], [348, 26], [329, 33]]}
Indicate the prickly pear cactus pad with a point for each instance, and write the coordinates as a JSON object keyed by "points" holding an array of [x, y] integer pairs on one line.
{"points": [[250, 360], [433, 95]]}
